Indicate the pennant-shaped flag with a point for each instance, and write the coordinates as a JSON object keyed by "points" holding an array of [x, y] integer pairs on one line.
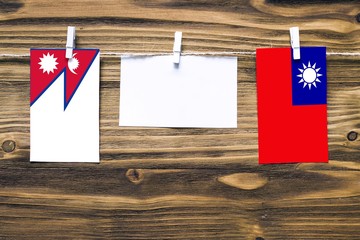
{"points": [[64, 106], [292, 115]]}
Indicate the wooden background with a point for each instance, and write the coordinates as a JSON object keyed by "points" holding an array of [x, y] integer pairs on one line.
{"points": [[180, 183]]}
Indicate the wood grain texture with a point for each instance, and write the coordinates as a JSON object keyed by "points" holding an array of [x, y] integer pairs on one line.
{"points": [[168, 183]]}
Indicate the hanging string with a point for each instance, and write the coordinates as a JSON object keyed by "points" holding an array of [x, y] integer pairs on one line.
{"points": [[129, 54], [182, 53]]}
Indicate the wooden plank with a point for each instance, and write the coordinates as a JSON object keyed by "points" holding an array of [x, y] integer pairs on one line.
{"points": [[180, 183], [181, 148], [182, 203], [149, 25]]}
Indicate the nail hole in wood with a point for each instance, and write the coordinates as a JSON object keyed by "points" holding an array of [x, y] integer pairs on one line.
{"points": [[8, 146], [352, 136], [135, 176]]}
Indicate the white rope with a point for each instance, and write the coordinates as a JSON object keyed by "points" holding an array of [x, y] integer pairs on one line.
{"points": [[14, 55], [343, 53], [122, 54], [182, 53]]}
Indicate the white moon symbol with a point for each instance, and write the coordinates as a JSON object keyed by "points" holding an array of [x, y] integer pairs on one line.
{"points": [[73, 64]]}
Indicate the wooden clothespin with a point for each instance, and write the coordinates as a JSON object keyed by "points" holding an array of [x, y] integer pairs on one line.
{"points": [[295, 42], [70, 42], [177, 47]]}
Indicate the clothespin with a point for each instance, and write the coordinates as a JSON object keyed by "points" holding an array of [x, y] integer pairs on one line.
{"points": [[70, 42], [177, 47], [295, 42]]}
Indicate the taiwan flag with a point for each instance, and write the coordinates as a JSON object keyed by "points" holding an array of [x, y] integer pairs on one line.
{"points": [[64, 105], [292, 116]]}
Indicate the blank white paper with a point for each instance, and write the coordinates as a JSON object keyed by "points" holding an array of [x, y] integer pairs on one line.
{"points": [[200, 92]]}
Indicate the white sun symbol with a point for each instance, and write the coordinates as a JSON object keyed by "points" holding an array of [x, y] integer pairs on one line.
{"points": [[309, 75], [48, 63], [73, 64]]}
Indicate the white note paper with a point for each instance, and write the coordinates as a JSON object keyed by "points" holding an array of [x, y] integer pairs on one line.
{"points": [[200, 92]]}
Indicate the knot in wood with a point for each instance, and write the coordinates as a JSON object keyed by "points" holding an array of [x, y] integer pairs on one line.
{"points": [[259, 238], [358, 18], [135, 176], [245, 181], [352, 136], [8, 146]]}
